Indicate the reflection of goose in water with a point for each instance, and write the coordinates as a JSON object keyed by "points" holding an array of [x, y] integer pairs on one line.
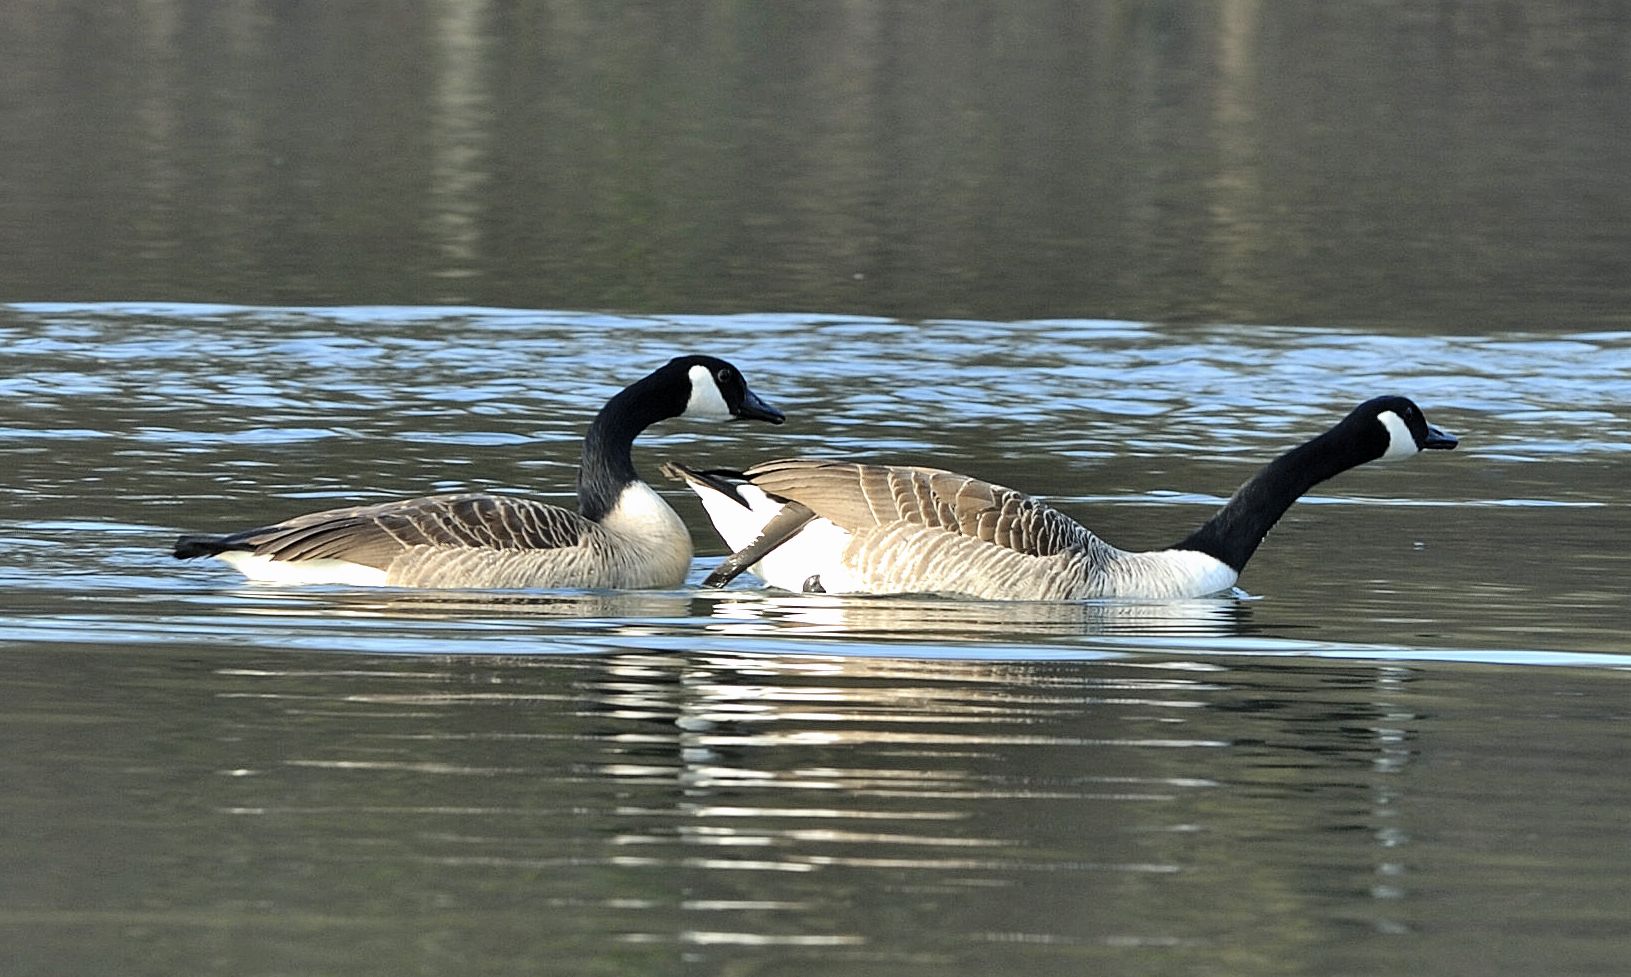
{"points": [[746, 772], [983, 622], [614, 611], [719, 703], [483, 622], [622, 534], [837, 527]]}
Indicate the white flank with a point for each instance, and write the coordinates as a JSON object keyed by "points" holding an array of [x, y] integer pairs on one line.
{"points": [[706, 400], [817, 551], [264, 569], [1171, 575], [1400, 442]]}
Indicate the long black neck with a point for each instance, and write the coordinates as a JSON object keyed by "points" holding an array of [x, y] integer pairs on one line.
{"points": [[607, 467], [1235, 531]]}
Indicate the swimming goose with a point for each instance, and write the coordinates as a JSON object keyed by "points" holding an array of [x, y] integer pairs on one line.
{"points": [[838, 527], [623, 535]]}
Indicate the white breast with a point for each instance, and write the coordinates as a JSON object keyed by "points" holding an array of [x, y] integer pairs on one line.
{"points": [[641, 513], [648, 543]]}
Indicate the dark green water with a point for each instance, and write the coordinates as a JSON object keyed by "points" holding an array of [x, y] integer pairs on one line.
{"points": [[1456, 165], [434, 237]]}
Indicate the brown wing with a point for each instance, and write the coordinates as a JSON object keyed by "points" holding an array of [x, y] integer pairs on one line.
{"points": [[374, 535], [857, 496]]}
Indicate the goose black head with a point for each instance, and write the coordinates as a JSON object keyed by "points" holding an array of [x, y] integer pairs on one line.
{"points": [[1397, 428], [717, 390]]}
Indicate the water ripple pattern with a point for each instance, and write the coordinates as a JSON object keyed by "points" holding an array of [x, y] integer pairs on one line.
{"points": [[124, 423], [1401, 741]]}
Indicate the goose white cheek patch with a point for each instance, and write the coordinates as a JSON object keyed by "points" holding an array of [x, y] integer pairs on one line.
{"points": [[706, 400], [1401, 443]]}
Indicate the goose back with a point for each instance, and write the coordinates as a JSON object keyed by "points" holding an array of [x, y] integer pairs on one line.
{"points": [[856, 497], [474, 540], [376, 535]]}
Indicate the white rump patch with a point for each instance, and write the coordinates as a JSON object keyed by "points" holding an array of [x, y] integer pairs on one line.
{"points": [[816, 550], [706, 400], [736, 524], [1400, 442], [264, 569]]}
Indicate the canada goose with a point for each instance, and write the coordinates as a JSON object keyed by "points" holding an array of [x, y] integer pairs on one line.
{"points": [[837, 527], [623, 534]]}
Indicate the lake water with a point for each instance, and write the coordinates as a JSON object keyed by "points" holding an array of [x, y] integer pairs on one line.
{"points": [[1405, 745], [270, 259]]}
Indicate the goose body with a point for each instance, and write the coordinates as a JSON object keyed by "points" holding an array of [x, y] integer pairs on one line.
{"points": [[621, 536], [842, 527]]}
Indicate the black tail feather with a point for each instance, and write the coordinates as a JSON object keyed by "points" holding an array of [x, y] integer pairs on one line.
{"points": [[201, 544], [722, 480]]}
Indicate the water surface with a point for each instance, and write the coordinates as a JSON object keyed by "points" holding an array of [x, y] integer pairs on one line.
{"points": [[1398, 750], [262, 258], [1463, 165]]}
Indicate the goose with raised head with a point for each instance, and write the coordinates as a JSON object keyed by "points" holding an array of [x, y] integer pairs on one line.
{"points": [[845, 528], [622, 535]]}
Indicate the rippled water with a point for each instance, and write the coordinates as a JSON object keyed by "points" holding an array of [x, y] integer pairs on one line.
{"points": [[1400, 751]]}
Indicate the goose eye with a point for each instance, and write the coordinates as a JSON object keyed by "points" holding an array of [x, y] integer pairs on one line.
{"points": [[724, 375]]}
